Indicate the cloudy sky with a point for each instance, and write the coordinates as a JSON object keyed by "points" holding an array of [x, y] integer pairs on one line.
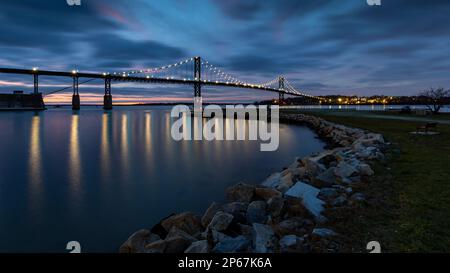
{"points": [[321, 46]]}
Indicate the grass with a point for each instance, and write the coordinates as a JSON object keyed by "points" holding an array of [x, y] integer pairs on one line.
{"points": [[409, 197]]}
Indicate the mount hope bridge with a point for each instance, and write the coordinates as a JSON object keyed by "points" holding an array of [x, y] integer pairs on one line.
{"points": [[192, 71]]}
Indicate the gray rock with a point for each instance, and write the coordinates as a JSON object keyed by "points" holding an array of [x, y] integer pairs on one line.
{"points": [[344, 170], [312, 167], [308, 194], [137, 241], [299, 172], [326, 178], [263, 238], [221, 221], [294, 225], [272, 181], [186, 221], [288, 241], [198, 247], [158, 246], [240, 193], [275, 206], [174, 231], [232, 245], [285, 183], [245, 229], [238, 210], [323, 232], [266, 193], [209, 213], [176, 244], [217, 236], [256, 212]]}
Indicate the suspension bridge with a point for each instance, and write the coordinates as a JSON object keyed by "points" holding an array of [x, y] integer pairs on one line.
{"points": [[192, 71]]}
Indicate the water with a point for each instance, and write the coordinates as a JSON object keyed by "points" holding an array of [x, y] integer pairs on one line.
{"points": [[96, 177]]}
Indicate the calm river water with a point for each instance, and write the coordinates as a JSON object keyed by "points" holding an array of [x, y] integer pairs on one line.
{"points": [[96, 177]]}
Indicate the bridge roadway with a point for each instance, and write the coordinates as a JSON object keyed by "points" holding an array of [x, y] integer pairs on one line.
{"points": [[121, 78]]}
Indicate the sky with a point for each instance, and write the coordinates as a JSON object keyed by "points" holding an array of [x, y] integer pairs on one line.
{"points": [[321, 46]]}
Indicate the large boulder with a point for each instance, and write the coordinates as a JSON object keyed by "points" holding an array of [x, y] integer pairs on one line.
{"points": [[221, 221], [174, 232], [263, 238], [294, 225], [158, 246], [344, 170], [198, 247], [294, 208], [137, 241], [240, 193], [186, 221], [275, 206], [256, 212], [272, 181], [285, 182], [308, 194], [232, 245], [323, 232], [287, 242], [176, 244], [312, 167], [238, 210], [325, 179], [266, 193], [209, 213]]}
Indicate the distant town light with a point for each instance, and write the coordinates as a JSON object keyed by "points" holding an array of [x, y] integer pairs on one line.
{"points": [[74, 72], [35, 68]]}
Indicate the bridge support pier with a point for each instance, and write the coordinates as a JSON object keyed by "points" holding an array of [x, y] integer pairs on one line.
{"points": [[107, 99], [280, 98], [36, 83], [76, 95]]}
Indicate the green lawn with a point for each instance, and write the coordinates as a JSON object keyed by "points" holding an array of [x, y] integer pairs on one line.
{"points": [[409, 208]]}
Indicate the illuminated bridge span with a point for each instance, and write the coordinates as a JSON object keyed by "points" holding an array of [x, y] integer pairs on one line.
{"points": [[192, 71]]}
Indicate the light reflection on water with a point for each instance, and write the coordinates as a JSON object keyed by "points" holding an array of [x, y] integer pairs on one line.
{"points": [[95, 177]]}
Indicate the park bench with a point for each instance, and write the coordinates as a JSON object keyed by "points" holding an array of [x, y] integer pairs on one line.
{"points": [[425, 128]]}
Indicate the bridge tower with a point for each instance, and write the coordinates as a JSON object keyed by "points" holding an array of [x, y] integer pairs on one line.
{"points": [[107, 99], [76, 95], [197, 77], [281, 87], [36, 83]]}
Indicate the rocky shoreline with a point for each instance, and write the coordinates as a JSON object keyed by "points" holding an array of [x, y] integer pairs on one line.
{"points": [[290, 211]]}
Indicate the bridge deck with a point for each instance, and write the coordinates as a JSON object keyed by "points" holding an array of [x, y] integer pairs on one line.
{"points": [[137, 79]]}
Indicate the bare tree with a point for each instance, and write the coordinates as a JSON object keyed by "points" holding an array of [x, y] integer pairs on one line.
{"points": [[435, 98]]}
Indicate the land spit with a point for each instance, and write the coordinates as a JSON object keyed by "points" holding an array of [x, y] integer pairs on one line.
{"points": [[290, 211]]}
